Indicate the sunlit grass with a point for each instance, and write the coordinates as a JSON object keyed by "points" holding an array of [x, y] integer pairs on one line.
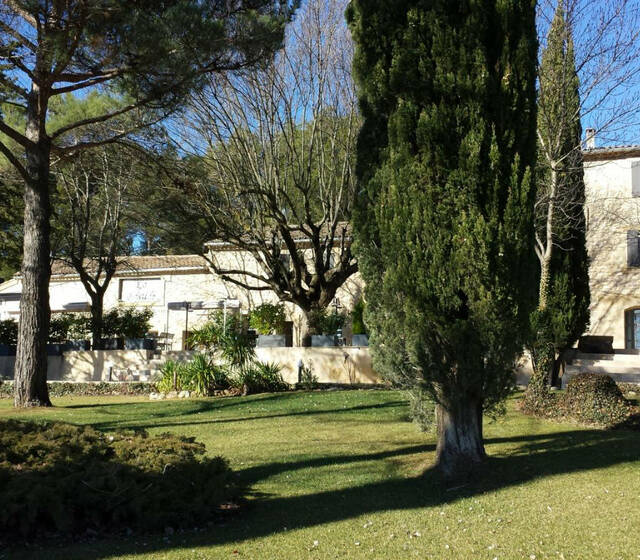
{"points": [[344, 474]]}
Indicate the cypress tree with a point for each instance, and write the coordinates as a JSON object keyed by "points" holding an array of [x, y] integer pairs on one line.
{"points": [[444, 225], [562, 314]]}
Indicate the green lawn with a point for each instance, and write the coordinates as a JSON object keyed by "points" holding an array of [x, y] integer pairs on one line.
{"points": [[344, 474]]}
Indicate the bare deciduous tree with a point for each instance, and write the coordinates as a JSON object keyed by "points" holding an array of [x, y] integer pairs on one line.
{"points": [[278, 143]]}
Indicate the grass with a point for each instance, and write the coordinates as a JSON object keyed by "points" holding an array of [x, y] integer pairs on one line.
{"points": [[344, 474]]}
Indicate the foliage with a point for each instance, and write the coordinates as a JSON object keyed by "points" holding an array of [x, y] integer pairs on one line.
{"points": [[262, 377], [64, 388], [423, 410], [595, 399], [357, 318], [171, 376], [226, 340], [268, 318], [325, 322], [563, 305], [127, 322], [65, 478], [200, 376], [69, 326], [308, 379], [444, 224], [204, 377], [9, 332]]}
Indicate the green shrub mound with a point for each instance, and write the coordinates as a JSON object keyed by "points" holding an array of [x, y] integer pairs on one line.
{"points": [[101, 388], [61, 478], [595, 399]]}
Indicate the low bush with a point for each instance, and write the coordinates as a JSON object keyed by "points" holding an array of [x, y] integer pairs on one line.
{"points": [[595, 399], [262, 378], [308, 379], [63, 389], [61, 478], [204, 377]]}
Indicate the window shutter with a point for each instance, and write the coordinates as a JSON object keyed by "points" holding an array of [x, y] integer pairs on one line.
{"points": [[633, 257], [635, 178]]}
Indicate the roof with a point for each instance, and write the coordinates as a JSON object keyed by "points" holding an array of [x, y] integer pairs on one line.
{"points": [[611, 152], [297, 236], [138, 264]]}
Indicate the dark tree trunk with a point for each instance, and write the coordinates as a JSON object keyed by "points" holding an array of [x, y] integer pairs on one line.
{"points": [[31, 360], [311, 325], [460, 447], [97, 312]]}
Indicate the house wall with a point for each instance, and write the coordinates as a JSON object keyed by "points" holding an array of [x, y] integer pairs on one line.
{"points": [[611, 211], [176, 286]]}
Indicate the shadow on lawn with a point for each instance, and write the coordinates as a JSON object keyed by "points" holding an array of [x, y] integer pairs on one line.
{"points": [[532, 457], [148, 421]]}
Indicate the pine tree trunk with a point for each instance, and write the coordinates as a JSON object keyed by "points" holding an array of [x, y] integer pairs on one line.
{"points": [[97, 312], [31, 360], [460, 445]]}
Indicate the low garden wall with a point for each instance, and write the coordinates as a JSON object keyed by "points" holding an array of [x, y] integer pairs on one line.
{"points": [[337, 364], [340, 364], [93, 365]]}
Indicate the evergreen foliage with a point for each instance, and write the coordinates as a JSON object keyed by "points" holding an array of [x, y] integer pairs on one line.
{"points": [[64, 478], [444, 224], [563, 306]]}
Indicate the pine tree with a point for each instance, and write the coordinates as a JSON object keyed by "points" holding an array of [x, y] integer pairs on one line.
{"points": [[562, 314], [445, 219]]}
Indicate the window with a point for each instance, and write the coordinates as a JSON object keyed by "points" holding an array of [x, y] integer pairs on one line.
{"points": [[635, 178], [633, 248], [140, 290]]}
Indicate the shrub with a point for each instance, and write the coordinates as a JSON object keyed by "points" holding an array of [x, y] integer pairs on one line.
{"points": [[357, 319], [9, 332], [595, 399], [203, 377], [65, 478], [63, 389], [126, 322], [262, 378], [172, 376], [308, 379], [69, 326], [327, 323], [268, 318]]}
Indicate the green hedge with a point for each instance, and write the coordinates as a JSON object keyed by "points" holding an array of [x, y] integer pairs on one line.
{"points": [[61, 478], [62, 388]]}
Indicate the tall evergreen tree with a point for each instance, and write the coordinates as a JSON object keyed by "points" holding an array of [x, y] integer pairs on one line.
{"points": [[445, 220], [563, 302]]}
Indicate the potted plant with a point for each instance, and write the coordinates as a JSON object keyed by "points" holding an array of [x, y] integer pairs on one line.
{"points": [[78, 332], [328, 324], [8, 337], [134, 325], [59, 325], [112, 339], [268, 320], [358, 328]]}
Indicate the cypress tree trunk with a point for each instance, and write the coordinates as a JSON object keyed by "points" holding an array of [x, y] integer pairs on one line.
{"points": [[460, 445], [31, 359]]}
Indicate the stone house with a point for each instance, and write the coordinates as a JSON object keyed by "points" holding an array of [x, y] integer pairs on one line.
{"points": [[163, 284]]}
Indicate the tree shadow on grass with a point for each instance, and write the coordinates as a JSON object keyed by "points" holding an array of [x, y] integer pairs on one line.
{"points": [[532, 457], [147, 423]]}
